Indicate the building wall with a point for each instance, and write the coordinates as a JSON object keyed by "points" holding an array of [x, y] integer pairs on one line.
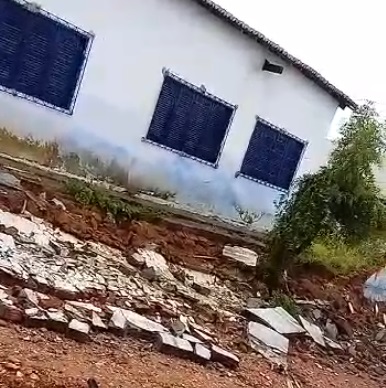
{"points": [[134, 40]]}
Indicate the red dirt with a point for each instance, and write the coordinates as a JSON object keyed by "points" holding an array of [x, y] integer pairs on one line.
{"points": [[31, 358]]}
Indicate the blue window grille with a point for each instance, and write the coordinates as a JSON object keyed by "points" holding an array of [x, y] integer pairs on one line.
{"points": [[42, 57], [190, 121], [273, 156]]}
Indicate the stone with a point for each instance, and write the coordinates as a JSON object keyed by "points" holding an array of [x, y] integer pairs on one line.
{"points": [[202, 352], [10, 181], [206, 338], [243, 256], [191, 338], [35, 318], [168, 343], [331, 330], [201, 282], [344, 327], [268, 343], [85, 306], [57, 321], [118, 322], [78, 330], [254, 303], [381, 336], [224, 357], [136, 259], [9, 312], [178, 327], [314, 331], [140, 323], [278, 319], [29, 298], [59, 204], [155, 265], [332, 344], [317, 314], [97, 322]]}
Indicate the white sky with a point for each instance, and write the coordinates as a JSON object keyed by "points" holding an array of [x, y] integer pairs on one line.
{"points": [[343, 40]]}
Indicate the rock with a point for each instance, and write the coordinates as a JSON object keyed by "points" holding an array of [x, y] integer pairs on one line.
{"points": [[11, 366], [80, 331], [92, 383], [28, 298], [9, 312], [59, 204], [97, 322], [254, 303], [381, 336], [155, 265], [317, 314], [9, 180], [136, 259], [201, 282], [118, 322], [191, 339], [277, 318], [331, 330], [314, 331], [224, 357], [244, 256], [57, 321], [85, 306], [344, 327], [178, 327], [139, 324], [35, 318], [268, 343], [169, 344], [202, 352], [206, 338]]}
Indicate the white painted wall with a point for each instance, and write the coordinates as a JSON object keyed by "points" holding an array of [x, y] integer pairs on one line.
{"points": [[134, 40]]}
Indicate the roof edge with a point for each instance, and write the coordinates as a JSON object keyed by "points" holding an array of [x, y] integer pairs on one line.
{"points": [[343, 99]]}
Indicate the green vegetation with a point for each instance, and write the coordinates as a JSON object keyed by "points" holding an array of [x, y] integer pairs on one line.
{"points": [[286, 302], [340, 202], [91, 195]]}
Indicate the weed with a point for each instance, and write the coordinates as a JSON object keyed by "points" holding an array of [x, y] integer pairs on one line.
{"points": [[286, 302], [91, 195], [341, 258], [246, 216]]}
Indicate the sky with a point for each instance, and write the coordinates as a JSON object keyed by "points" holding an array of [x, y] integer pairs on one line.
{"points": [[343, 40]]}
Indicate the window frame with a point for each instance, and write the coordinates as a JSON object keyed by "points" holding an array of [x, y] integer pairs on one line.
{"points": [[285, 132], [202, 90], [32, 7]]}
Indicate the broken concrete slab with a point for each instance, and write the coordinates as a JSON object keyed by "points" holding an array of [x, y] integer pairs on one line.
{"points": [[35, 318], [242, 255], [202, 352], [57, 321], [118, 322], [79, 331], [278, 319], [314, 331], [168, 343], [224, 357], [97, 322], [268, 343], [191, 339], [140, 323]]}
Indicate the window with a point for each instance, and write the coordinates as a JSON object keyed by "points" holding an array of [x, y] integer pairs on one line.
{"points": [[190, 121], [272, 156], [42, 57]]}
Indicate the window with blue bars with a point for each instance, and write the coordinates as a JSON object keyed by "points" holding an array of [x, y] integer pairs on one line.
{"points": [[272, 157], [41, 56], [189, 121]]}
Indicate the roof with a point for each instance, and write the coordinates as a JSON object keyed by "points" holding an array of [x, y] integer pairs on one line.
{"points": [[307, 71]]}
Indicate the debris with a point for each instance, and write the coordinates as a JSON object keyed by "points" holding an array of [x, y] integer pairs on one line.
{"points": [[332, 344], [381, 336], [141, 323], [202, 352], [58, 204], [155, 265], [314, 331], [331, 330], [317, 314], [199, 281], [167, 343], [85, 306], [97, 322], [351, 308], [9, 180], [79, 330], [57, 321], [191, 339], [118, 321], [242, 255], [224, 357], [268, 343], [9, 312], [344, 327], [178, 327], [255, 303], [35, 317], [277, 318]]}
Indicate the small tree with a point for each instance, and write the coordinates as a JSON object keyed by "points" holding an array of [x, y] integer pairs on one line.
{"points": [[341, 198]]}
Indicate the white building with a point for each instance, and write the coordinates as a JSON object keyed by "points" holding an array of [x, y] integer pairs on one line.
{"points": [[187, 97]]}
